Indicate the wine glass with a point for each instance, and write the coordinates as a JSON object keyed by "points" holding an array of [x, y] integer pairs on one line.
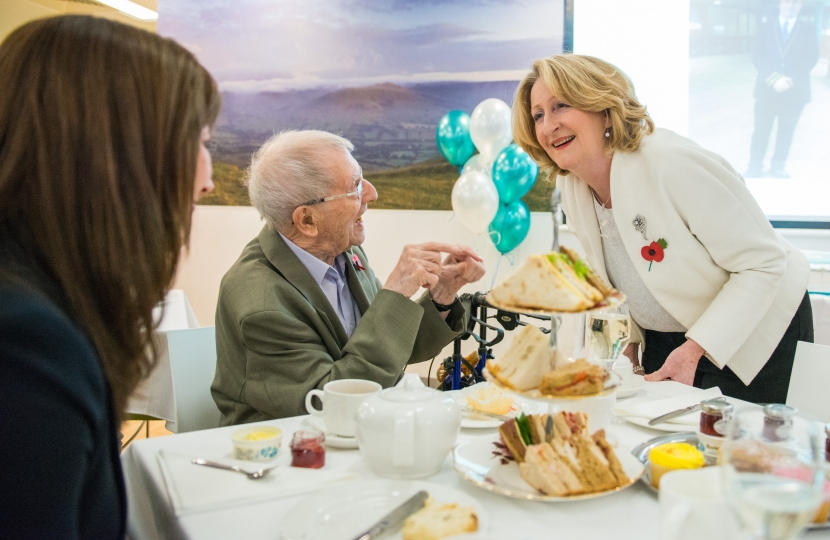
{"points": [[609, 331], [772, 473]]}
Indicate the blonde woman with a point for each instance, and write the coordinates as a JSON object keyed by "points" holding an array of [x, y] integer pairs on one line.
{"points": [[717, 297]]}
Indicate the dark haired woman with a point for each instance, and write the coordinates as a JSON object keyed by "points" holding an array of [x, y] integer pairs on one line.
{"points": [[102, 156]]}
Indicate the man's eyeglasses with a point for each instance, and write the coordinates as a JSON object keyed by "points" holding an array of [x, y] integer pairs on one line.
{"points": [[358, 191]]}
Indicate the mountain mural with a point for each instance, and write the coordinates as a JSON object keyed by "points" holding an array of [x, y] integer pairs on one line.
{"points": [[391, 126]]}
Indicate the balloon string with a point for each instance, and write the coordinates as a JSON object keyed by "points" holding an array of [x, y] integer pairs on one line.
{"points": [[496, 272]]}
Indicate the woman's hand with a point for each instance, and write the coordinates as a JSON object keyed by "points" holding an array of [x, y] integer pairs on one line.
{"points": [[681, 364], [632, 353]]}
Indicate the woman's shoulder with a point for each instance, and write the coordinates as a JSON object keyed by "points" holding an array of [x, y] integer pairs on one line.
{"points": [[42, 344], [669, 155]]}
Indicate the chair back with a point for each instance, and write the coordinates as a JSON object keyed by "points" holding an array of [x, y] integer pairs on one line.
{"points": [[808, 390], [821, 317], [193, 366]]}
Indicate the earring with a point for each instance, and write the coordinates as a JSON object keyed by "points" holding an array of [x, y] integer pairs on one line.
{"points": [[607, 132]]}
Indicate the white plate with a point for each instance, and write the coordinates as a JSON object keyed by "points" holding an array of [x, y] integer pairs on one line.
{"points": [[345, 511], [475, 462], [613, 300], [473, 421], [335, 441], [628, 390], [665, 426]]}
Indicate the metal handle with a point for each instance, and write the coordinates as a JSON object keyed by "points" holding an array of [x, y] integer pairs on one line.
{"points": [[208, 463], [556, 209]]}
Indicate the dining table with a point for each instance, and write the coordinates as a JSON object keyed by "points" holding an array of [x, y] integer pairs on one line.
{"points": [[632, 513]]}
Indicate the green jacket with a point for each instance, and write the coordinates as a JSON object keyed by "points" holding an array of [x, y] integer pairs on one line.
{"points": [[278, 337]]}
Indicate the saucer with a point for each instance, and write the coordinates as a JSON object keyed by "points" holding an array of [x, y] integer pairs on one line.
{"points": [[335, 441], [629, 389]]}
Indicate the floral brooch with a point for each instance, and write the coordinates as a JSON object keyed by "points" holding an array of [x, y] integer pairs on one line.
{"points": [[357, 264], [654, 251]]}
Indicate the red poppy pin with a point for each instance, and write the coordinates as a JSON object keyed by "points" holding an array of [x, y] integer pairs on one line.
{"points": [[654, 251], [357, 264]]}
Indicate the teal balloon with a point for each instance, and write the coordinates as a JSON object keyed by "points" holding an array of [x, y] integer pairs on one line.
{"points": [[510, 226], [453, 137], [514, 173]]}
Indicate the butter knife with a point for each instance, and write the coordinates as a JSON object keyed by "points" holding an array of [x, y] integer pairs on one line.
{"points": [[396, 517], [495, 416], [679, 412]]}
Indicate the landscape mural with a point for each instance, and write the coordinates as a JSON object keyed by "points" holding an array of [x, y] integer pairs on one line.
{"points": [[380, 73]]}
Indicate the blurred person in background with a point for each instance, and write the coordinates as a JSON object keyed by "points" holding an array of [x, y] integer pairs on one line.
{"points": [[716, 296], [102, 157], [785, 51]]}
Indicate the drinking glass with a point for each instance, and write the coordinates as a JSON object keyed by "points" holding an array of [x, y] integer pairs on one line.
{"points": [[772, 478], [609, 331]]}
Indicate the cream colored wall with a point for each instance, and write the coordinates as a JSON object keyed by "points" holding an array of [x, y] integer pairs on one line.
{"points": [[14, 13]]}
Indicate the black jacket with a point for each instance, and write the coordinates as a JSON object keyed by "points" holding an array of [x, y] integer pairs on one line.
{"points": [[60, 472], [794, 57]]}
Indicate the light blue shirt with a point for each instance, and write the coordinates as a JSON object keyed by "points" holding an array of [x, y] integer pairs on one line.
{"points": [[332, 281]]}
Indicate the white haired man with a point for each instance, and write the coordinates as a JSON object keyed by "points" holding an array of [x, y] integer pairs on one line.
{"points": [[302, 307]]}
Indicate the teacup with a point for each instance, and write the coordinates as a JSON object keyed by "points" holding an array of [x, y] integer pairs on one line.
{"points": [[692, 506], [340, 402], [625, 370]]}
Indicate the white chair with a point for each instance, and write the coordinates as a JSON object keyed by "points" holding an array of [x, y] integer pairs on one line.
{"points": [[809, 389], [193, 366]]}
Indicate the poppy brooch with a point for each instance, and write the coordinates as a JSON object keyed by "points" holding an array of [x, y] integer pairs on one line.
{"points": [[654, 251], [357, 264]]}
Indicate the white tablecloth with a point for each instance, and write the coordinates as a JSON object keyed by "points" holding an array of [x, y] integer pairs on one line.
{"points": [[155, 396], [630, 514]]}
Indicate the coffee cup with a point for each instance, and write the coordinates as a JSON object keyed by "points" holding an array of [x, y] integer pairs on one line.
{"points": [[692, 506], [340, 402]]}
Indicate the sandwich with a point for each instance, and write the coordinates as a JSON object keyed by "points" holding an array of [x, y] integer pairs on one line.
{"points": [[564, 460], [525, 363], [518, 434], [554, 282], [580, 378], [590, 276]]}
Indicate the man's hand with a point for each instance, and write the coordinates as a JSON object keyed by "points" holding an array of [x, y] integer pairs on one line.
{"points": [[460, 267], [681, 364], [419, 266]]}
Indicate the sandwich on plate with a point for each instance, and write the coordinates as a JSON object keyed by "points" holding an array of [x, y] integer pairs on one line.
{"points": [[580, 378], [526, 362], [557, 457], [554, 282]]}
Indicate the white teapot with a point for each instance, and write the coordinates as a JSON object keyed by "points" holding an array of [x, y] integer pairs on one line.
{"points": [[408, 430]]}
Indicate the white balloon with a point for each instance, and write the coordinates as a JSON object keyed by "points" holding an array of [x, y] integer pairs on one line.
{"points": [[475, 200], [490, 128], [478, 163]]}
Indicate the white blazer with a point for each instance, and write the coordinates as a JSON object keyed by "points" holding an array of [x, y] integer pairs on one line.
{"points": [[727, 276]]}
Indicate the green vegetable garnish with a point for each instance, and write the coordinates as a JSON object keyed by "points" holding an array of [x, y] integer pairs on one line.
{"points": [[524, 429], [580, 268]]}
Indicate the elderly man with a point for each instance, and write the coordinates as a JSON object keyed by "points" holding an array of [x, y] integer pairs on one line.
{"points": [[301, 306]]}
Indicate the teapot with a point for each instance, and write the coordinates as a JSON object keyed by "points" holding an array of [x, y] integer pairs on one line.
{"points": [[407, 431]]}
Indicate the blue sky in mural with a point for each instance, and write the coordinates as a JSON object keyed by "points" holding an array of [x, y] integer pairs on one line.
{"points": [[276, 45]]}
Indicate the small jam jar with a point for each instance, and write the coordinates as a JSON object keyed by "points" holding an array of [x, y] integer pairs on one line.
{"points": [[827, 443], [778, 422], [714, 414], [308, 449]]}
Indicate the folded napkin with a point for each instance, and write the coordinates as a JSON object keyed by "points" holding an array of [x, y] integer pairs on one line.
{"points": [[194, 488], [652, 408]]}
